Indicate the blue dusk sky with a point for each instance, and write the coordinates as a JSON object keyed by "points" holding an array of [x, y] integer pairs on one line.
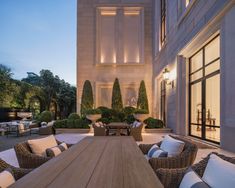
{"points": [[39, 34]]}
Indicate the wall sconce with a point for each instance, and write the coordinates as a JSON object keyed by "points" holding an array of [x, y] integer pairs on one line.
{"points": [[166, 77]]}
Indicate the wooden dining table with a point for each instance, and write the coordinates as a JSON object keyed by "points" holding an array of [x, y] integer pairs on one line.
{"points": [[95, 162], [118, 126]]}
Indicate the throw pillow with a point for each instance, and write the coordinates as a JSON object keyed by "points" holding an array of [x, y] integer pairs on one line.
{"points": [[156, 152], [219, 173], [172, 146], [54, 151], [6, 178], [39, 146], [192, 180]]}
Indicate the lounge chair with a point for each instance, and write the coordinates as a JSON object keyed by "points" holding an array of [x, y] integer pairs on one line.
{"points": [[27, 159], [17, 172], [99, 131], [171, 178], [184, 159], [136, 132]]}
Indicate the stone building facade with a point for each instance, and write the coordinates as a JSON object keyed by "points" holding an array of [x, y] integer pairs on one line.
{"points": [[114, 40], [183, 49]]}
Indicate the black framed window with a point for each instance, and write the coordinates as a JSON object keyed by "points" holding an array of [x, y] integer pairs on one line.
{"points": [[204, 92], [163, 22]]}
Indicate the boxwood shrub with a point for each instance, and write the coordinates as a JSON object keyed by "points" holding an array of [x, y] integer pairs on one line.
{"points": [[153, 123]]}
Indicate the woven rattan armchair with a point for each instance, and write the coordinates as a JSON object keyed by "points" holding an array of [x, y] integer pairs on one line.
{"points": [[136, 132], [47, 130], [186, 158], [27, 159], [99, 131], [17, 172], [171, 178]]}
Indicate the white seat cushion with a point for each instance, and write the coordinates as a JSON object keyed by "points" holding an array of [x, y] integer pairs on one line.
{"points": [[172, 146], [219, 173], [39, 146], [6, 178], [134, 124], [156, 152], [138, 124], [191, 179]]}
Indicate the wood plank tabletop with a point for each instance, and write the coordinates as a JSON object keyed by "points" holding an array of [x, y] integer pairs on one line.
{"points": [[95, 162]]}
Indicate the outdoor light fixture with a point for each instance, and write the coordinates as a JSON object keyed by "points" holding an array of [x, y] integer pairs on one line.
{"points": [[166, 77]]}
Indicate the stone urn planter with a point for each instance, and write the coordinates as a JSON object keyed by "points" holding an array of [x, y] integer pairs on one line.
{"points": [[141, 117], [93, 117]]}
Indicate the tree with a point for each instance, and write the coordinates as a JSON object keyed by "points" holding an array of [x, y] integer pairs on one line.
{"points": [[5, 83], [117, 96], [142, 102], [87, 97]]}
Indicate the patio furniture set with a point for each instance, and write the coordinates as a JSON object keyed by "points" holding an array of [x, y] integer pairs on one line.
{"points": [[119, 128], [21, 128], [116, 161]]}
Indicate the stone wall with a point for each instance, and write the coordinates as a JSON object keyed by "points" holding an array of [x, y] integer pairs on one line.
{"points": [[104, 75]]}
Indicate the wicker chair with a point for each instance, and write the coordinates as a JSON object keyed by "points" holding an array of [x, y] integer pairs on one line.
{"points": [[47, 130], [136, 132], [99, 131], [171, 178], [186, 158], [17, 172], [27, 159]]}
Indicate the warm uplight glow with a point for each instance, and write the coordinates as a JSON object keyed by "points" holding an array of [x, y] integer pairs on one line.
{"points": [[102, 59], [131, 13], [172, 75], [137, 59], [114, 58], [108, 13], [187, 2]]}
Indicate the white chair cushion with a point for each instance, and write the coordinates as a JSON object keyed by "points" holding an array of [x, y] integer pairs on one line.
{"points": [[156, 152], [134, 124], [172, 146], [191, 179], [6, 178], [64, 145], [51, 123], [219, 173], [138, 124], [39, 146]]}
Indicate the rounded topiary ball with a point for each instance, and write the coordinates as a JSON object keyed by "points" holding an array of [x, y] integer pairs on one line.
{"points": [[74, 116], [46, 116]]}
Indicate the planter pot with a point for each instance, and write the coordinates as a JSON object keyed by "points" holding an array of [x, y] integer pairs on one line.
{"points": [[159, 130], [93, 117], [66, 130], [141, 117]]}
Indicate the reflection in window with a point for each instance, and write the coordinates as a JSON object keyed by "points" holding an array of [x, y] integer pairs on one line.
{"points": [[163, 22]]}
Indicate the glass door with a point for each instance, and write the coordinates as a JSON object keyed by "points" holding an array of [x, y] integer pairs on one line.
{"points": [[204, 92]]}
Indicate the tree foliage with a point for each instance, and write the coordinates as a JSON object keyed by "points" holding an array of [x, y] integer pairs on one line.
{"points": [[142, 102], [117, 96], [87, 101], [44, 87]]}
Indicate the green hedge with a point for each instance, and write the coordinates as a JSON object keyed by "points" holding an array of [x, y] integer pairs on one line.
{"points": [[82, 123], [153, 123]]}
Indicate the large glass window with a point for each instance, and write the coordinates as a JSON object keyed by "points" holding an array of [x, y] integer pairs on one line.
{"points": [[163, 22], [204, 78]]}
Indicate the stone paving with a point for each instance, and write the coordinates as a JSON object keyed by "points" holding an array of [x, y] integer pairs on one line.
{"points": [[9, 154]]}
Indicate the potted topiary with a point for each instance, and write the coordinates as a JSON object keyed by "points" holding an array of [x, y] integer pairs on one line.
{"points": [[141, 114], [93, 114]]}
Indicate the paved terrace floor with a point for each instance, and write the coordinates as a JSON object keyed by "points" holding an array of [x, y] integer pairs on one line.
{"points": [[7, 152]]}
